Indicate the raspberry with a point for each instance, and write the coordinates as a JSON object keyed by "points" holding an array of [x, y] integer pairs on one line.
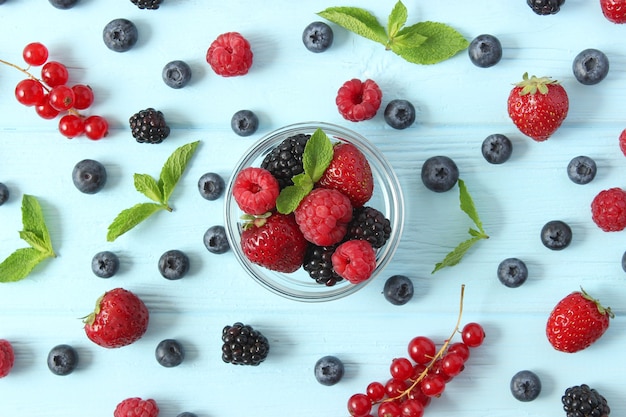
{"points": [[323, 216], [147, 4], [358, 101], [148, 126], [622, 141], [230, 55], [608, 209], [7, 357], [255, 190], [354, 260], [285, 160], [136, 407], [243, 345]]}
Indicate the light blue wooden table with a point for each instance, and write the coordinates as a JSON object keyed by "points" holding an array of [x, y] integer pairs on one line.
{"points": [[459, 105]]}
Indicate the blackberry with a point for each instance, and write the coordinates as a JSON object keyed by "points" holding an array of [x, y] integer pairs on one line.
{"points": [[545, 7], [148, 126], [285, 160], [583, 401], [243, 345], [317, 262], [370, 225], [147, 4]]}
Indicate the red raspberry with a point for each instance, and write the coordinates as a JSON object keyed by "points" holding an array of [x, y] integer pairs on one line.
{"points": [[358, 100], [230, 55], [136, 407], [608, 209], [255, 190], [622, 141], [354, 260], [7, 357], [323, 216]]}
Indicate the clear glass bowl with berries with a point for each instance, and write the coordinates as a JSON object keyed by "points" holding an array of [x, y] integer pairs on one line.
{"points": [[313, 211]]}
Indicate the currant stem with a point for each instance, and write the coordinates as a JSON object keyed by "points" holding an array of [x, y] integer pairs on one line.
{"points": [[25, 71], [438, 355]]}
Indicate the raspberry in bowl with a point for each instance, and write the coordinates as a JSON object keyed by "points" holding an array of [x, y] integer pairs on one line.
{"points": [[380, 202]]}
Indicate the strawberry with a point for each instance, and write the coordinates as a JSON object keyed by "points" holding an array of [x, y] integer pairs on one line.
{"points": [[538, 106], [577, 321], [275, 242], [119, 319], [349, 172], [614, 10]]}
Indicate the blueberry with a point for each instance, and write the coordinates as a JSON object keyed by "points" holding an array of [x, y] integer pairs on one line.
{"points": [[211, 186], [62, 360], [173, 264], [485, 51], [556, 235], [512, 272], [317, 37], [4, 193], [399, 114], [590, 66], [176, 74], [89, 176], [169, 353], [582, 170], [187, 414], [244, 122], [63, 4], [439, 173], [398, 289], [497, 148], [329, 370], [525, 386], [215, 240], [120, 35], [624, 261], [105, 264]]}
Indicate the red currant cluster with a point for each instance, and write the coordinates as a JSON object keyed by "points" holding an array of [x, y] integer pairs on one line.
{"points": [[414, 382], [51, 96]]}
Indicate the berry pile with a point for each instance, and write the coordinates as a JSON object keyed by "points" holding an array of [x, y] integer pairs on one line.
{"points": [[328, 230], [52, 97]]}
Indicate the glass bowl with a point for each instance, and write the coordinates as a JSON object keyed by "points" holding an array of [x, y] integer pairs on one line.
{"points": [[387, 198]]}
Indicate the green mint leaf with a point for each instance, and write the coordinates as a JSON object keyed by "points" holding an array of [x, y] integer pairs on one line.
{"points": [[34, 241], [33, 221], [303, 181], [290, 197], [148, 186], [407, 39], [19, 264], [467, 205], [131, 217], [442, 42], [357, 20], [457, 254], [397, 19], [174, 167], [318, 152]]}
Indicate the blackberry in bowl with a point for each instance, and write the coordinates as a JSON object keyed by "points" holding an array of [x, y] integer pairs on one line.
{"points": [[281, 154]]}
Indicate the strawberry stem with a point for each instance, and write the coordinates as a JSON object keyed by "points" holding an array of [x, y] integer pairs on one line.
{"points": [[533, 84]]}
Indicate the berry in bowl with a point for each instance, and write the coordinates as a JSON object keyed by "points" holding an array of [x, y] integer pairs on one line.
{"points": [[314, 212]]}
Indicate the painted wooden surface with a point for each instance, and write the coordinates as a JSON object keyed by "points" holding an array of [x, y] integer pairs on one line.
{"points": [[459, 105]]}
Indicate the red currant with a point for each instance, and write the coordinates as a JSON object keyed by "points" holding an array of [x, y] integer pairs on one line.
{"points": [[460, 349], [71, 126], [45, 110], [375, 391], [29, 92], [395, 387], [418, 370], [96, 127], [416, 394], [433, 385], [35, 54], [436, 369], [389, 409], [401, 368], [411, 408], [83, 96], [473, 335], [422, 349], [54, 73], [452, 364], [61, 97], [359, 405]]}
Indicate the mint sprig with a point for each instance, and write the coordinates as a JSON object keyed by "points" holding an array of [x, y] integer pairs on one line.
{"points": [[159, 191], [422, 43], [35, 232], [318, 153], [467, 205]]}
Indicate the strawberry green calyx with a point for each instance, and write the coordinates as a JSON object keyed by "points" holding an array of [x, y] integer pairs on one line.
{"points": [[252, 220], [533, 84], [605, 311], [89, 319]]}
